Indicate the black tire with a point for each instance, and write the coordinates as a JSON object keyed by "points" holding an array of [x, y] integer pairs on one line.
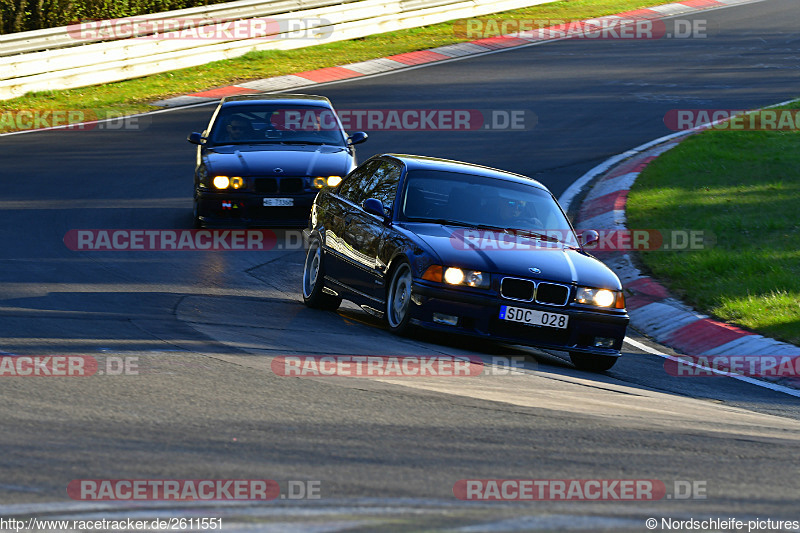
{"points": [[196, 223], [313, 276], [398, 299], [592, 363]]}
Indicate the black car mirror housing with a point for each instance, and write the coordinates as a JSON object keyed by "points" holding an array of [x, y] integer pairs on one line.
{"points": [[589, 237], [357, 138], [373, 206], [196, 138]]}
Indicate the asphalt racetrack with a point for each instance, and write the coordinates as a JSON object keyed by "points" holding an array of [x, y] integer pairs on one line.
{"points": [[202, 327]]}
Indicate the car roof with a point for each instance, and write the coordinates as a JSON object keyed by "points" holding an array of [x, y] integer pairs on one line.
{"points": [[287, 99], [421, 162]]}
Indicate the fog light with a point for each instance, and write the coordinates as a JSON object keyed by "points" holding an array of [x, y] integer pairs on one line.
{"points": [[604, 342], [441, 318]]}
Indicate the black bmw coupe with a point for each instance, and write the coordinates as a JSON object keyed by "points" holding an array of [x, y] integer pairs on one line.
{"points": [[263, 158], [462, 248]]}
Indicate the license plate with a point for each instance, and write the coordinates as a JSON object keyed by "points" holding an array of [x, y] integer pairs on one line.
{"points": [[532, 317], [278, 202]]}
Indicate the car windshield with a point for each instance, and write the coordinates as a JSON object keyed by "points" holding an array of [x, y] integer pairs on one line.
{"points": [[276, 124], [484, 202]]}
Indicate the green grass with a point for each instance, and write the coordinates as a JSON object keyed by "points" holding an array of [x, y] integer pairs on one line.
{"points": [[744, 188], [134, 96]]}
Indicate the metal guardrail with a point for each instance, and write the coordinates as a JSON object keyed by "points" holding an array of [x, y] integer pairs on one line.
{"points": [[51, 38], [66, 65]]}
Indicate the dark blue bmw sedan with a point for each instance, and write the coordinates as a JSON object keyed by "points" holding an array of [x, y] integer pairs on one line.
{"points": [[263, 158], [462, 248]]}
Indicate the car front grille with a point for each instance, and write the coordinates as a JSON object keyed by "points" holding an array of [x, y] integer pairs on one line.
{"points": [[290, 185], [266, 185], [517, 289], [526, 290], [552, 294]]}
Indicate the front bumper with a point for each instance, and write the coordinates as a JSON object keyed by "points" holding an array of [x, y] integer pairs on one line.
{"points": [[247, 208], [478, 315]]}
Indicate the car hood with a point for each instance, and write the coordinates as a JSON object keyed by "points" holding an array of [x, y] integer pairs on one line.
{"points": [[265, 160], [555, 262]]}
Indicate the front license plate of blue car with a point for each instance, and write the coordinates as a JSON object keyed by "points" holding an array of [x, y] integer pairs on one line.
{"points": [[532, 317], [278, 202]]}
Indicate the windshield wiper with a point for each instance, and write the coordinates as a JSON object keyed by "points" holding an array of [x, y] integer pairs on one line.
{"points": [[303, 142], [488, 227], [443, 221], [533, 234]]}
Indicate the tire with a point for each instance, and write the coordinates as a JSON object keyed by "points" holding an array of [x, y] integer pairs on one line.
{"points": [[592, 363], [313, 276], [398, 299], [196, 223]]}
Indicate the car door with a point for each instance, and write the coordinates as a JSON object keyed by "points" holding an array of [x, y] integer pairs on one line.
{"points": [[343, 203], [363, 232]]}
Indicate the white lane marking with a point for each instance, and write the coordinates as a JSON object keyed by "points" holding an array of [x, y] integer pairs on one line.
{"points": [[747, 379]]}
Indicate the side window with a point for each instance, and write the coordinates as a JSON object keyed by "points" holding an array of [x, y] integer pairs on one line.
{"points": [[383, 184], [352, 188]]}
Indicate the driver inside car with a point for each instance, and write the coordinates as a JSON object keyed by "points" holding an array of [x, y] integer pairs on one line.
{"points": [[238, 129], [518, 214]]}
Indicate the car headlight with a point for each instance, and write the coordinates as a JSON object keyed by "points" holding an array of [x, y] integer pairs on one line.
{"points": [[457, 276], [223, 182], [600, 297], [321, 182]]}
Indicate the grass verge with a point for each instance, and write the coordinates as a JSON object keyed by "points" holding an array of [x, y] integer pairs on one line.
{"points": [[744, 188], [133, 96]]}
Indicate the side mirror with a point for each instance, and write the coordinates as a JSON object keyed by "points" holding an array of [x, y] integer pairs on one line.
{"points": [[357, 138], [195, 138], [373, 206], [589, 237]]}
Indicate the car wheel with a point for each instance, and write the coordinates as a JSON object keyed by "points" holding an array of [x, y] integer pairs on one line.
{"points": [[313, 275], [592, 363], [196, 223], [398, 299]]}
